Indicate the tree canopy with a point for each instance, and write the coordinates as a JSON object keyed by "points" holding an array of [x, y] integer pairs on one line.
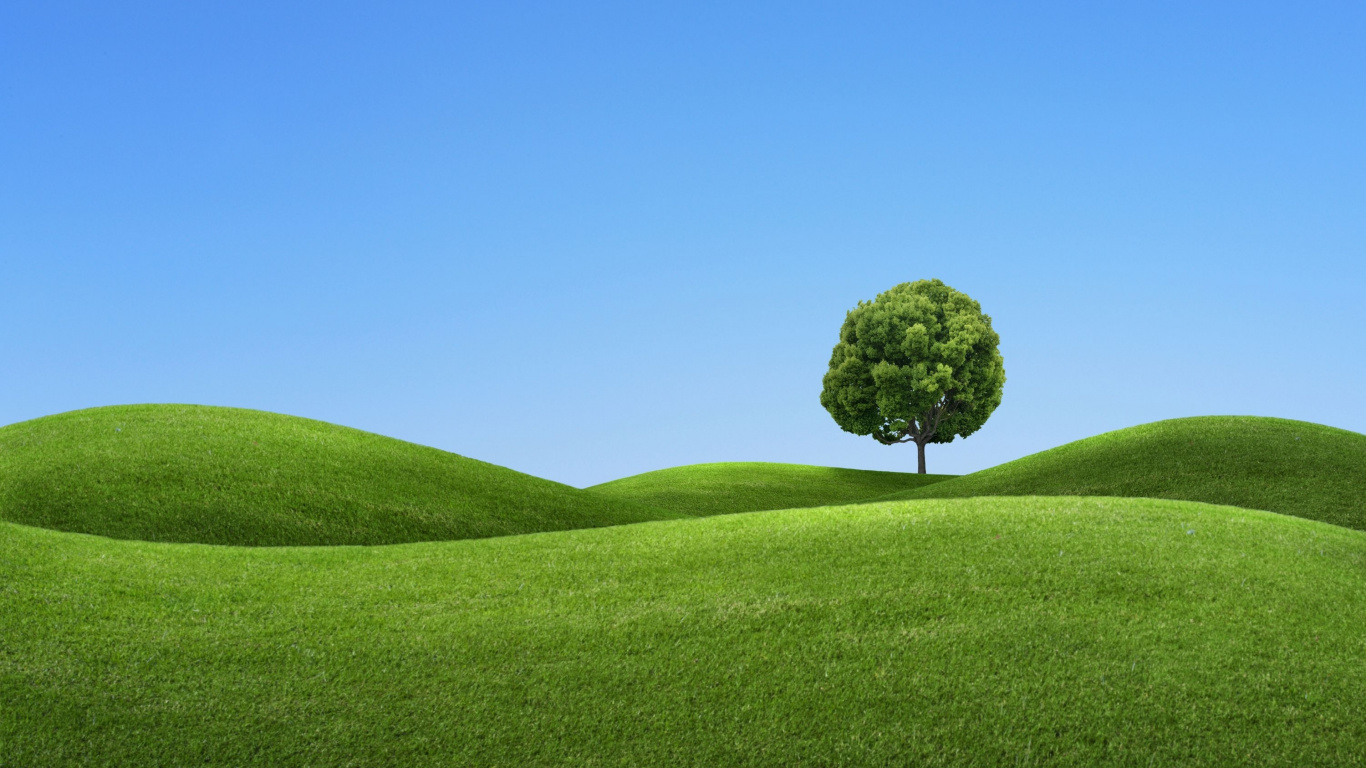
{"points": [[919, 364]]}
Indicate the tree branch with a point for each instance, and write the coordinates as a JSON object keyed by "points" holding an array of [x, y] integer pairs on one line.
{"points": [[934, 417]]}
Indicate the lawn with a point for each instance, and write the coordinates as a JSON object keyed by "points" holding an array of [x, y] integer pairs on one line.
{"points": [[1076, 607], [1291, 467], [1060, 631], [711, 489], [187, 473]]}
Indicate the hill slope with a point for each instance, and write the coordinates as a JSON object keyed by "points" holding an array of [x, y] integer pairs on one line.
{"points": [[230, 476], [712, 489], [970, 632], [1291, 467]]}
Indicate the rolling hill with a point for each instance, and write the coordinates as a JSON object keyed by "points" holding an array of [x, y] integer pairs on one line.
{"points": [[1291, 467], [1059, 631], [712, 489], [183, 473]]}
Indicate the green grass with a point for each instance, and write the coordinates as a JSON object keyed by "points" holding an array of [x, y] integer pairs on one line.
{"points": [[712, 489], [1291, 467], [1026, 631], [1065, 628], [229, 476]]}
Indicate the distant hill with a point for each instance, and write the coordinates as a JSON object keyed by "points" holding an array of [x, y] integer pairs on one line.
{"points": [[184, 473], [1291, 467], [713, 489]]}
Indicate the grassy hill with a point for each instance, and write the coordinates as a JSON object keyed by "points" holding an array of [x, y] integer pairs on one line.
{"points": [[969, 632], [187, 473], [1291, 467], [712, 489]]}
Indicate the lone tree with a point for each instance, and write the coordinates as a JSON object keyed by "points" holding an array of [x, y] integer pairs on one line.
{"points": [[918, 364]]}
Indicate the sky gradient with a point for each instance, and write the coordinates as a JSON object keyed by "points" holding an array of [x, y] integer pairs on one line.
{"points": [[590, 240]]}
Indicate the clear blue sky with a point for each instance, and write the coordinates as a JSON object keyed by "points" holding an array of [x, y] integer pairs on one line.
{"points": [[585, 240]]}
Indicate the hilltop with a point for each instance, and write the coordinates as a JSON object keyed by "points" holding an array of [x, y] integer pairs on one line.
{"points": [[1292, 467], [185, 473], [713, 489]]}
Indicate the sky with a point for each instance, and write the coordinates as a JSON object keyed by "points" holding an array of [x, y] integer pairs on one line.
{"points": [[585, 240]]}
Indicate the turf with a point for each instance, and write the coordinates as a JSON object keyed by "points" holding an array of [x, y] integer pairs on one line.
{"points": [[711, 489], [1025, 631], [1291, 467], [230, 476]]}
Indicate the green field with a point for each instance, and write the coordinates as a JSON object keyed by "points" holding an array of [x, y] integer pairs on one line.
{"points": [[966, 632], [1291, 467], [187, 473], [713, 489], [1071, 626]]}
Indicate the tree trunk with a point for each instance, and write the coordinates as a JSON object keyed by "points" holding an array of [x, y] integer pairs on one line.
{"points": [[920, 450]]}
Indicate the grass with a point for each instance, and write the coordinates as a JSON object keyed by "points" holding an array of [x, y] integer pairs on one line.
{"points": [[712, 489], [185, 473], [1048, 621], [1291, 467], [1025, 631]]}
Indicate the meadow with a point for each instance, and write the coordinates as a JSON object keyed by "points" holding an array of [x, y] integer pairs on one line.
{"points": [[1059, 615], [195, 474], [715, 489], [1291, 467]]}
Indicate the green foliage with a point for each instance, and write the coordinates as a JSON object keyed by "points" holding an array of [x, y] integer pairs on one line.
{"points": [[917, 364], [1291, 467], [1067, 632], [231, 476], [713, 489]]}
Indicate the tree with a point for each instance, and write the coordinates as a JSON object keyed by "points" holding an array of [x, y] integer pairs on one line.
{"points": [[918, 364]]}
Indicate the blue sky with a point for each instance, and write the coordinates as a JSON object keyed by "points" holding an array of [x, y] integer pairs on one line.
{"points": [[587, 240]]}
